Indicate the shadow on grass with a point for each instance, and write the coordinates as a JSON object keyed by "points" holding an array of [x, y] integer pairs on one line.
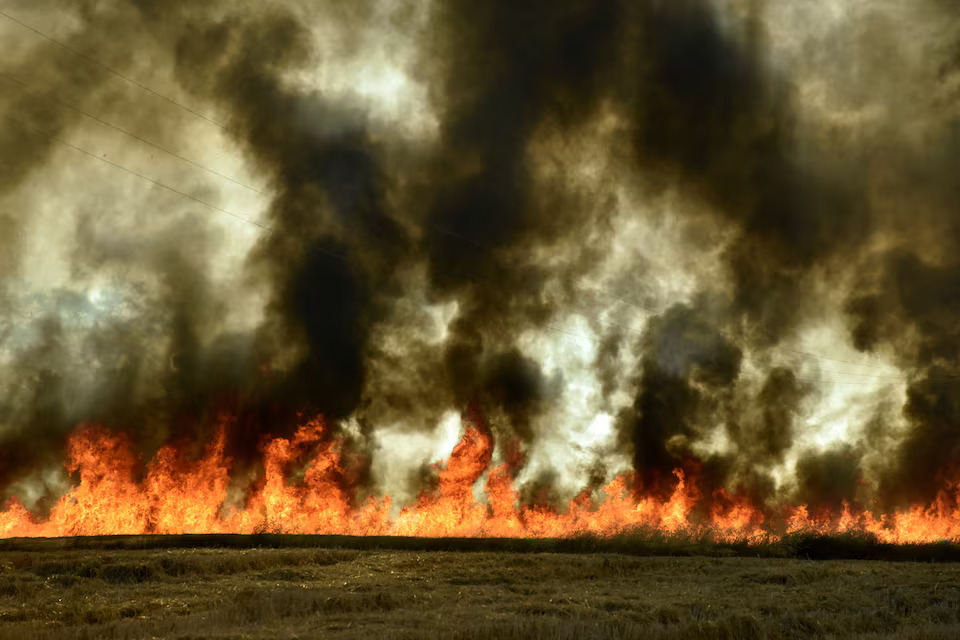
{"points": [[850, 546]]}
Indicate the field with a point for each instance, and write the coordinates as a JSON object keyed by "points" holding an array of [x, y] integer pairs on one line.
{"points": [[290, 587]]}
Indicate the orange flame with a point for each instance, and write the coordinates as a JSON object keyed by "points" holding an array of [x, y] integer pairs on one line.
{"points": [[182, 496]]}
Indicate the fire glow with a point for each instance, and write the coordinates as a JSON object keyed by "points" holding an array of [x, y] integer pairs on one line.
{"points": [[178, 496]]}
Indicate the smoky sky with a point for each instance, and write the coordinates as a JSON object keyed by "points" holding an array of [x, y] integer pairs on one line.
{"points": [[683, 191]]}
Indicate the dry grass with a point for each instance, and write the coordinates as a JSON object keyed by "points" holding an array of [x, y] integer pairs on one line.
{"points": [[337, 593], [641, 542]]}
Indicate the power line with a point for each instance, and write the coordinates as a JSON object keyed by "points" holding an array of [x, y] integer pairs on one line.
{"points": [[161, 184], [344, 259], [653, 311], [127, 133], [822, 357], [483, 247], [139, 175], [446, 232], [116, 73], [871, 378], [862, 375]]}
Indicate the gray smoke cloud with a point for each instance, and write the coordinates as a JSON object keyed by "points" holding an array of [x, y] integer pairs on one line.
{"points": [[713, 235]]}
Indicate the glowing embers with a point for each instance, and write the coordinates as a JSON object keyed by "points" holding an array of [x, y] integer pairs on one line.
{"points": [[304, 489]]}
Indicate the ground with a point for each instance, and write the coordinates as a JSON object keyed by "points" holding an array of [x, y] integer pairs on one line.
{"points": [[117, 590]]}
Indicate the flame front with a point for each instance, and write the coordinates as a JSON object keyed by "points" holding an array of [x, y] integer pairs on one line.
{"points": [[179, 496]]}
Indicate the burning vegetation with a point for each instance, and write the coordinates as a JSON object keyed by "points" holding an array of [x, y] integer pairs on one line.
{"points": [[467, 268], [178, 496]]}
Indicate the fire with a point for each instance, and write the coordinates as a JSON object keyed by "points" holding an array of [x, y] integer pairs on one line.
{"points": [[304, 489]]}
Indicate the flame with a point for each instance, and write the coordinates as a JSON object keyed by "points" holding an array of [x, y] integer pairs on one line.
{"points": [[471, 498]]}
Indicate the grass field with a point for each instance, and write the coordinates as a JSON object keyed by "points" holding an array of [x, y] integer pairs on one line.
{"points": [[292, 587]]}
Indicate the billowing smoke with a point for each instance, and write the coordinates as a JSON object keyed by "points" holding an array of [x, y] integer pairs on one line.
{"points": [[715, 235]]}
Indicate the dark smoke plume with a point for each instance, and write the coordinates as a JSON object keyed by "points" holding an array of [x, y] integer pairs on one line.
{"points": [[674, 196]]}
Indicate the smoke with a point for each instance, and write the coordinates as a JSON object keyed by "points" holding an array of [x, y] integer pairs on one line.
{"points": [[646, 235]]}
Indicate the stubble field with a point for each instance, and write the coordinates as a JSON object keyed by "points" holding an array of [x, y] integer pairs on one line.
{"points": [[136, 588]]}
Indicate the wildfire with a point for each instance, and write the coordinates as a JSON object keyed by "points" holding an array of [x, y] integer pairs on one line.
{"points": [[183, 496]]}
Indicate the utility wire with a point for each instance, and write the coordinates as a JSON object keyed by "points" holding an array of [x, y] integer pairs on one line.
{"points": [[783, 348], [344, 259], [262, 226], [865, 375], [99, 64], [110, 70], [447, 232], [125, 132], [135, 173], [483, 247], [822, 357]]}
